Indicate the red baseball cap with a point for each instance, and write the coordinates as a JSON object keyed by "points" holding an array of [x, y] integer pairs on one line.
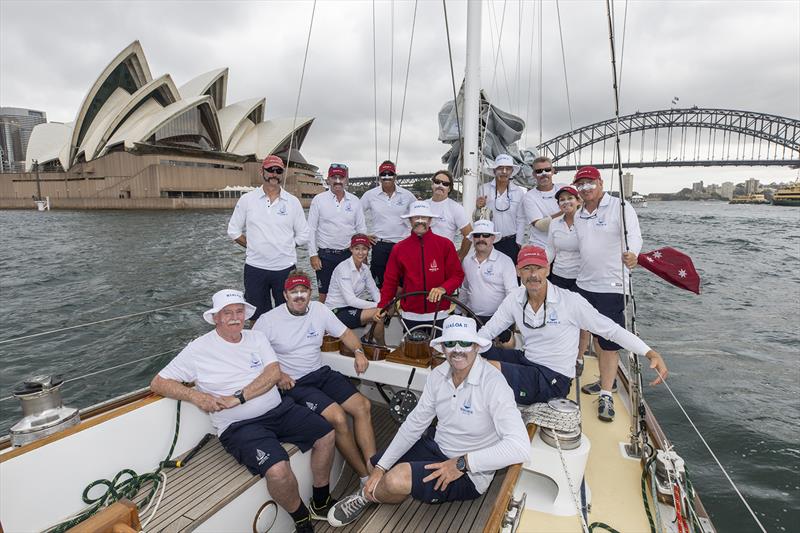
{"points": [[387, 166], [272, 161], [532, 255], [360, 238], [293, 281], [337, 169], [590, 173], [569, 189]]}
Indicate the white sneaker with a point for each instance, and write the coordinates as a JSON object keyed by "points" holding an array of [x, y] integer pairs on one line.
{"points": [[348, 509]]}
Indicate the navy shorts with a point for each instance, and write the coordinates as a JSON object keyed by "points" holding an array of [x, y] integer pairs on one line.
{"points": [[262, 287], [330, 260], [505, 335], [424, 452], [530, 382], [350, 316], [379, 260], [320, 388], [256, 443], [611, 305], [508, 245], [564, 283]]}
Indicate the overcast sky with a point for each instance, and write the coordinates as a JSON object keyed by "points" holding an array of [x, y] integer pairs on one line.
{"points": [[737, 55]]}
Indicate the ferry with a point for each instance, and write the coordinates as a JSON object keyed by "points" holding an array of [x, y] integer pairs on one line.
{"points": [[788, 195], [749, 199], [637, 200]]}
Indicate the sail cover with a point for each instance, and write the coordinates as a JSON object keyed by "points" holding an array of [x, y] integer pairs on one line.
{"points": [[499, 133]]}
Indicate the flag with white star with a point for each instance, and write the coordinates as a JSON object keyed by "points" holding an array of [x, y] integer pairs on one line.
{"points": [[673, 266]]}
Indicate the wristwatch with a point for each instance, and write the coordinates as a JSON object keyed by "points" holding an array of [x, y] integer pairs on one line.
{"points": [[461, 464], [358, 350], [239, 396]]}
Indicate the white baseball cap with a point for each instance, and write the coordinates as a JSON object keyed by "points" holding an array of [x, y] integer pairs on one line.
{"points": [[483, 226], [460, 328], [420, 209], [227, 297], [505, 160]]}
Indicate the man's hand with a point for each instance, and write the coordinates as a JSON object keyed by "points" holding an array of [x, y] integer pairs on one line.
{"points": [[380, 315], [372, 239], [444, 473], [372, 483], [657, 363], [208, 402], [435, 294], [285, 382], [316, 264], [629, 258], [230, 401], [480, 202], [361, 363]]}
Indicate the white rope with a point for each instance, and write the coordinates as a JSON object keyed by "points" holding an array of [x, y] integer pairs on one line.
{"points": [[157, 503], [713, 455], [108, 369], [300, 89], [405, 87], [572, 490], [14, 339]]}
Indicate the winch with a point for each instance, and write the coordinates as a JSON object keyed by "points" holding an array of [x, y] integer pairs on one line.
{"points": [[42, 409], [561, 417]]}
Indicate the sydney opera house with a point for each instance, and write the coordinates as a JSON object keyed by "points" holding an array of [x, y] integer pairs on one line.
{"points": [[143, 143]]}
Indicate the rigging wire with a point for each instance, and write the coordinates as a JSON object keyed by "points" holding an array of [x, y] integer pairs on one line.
{"points": [[713, 455], [131, 315], [391, 86], [374, 83], [541, 84], [566, 80], [452, 72], [530, 73], [405, 86], [300, 89]]}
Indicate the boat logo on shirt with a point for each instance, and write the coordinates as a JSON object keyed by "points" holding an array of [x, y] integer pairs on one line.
{"points": [[282, 209], [255, 360], [601, 223], [347, 207], [489, 272], [553, 318], [311, 333], [467, 408], [261, 457], [434, 267]]}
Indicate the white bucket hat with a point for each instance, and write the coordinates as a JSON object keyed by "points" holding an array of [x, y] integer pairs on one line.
{"points": [[483, 226], [420, 209], [505, 160], [460, 328], [227, 297]]}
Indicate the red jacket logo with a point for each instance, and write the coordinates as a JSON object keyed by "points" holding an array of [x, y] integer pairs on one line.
{"points": [[434, 267]]}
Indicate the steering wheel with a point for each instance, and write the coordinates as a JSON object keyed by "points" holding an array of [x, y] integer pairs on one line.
{"points": [[389, 309]]}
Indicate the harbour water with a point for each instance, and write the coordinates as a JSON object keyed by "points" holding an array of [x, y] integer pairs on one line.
{"points": [[732, 351]]}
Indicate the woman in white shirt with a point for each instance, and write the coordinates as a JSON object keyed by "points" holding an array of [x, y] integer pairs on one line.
{"points": [[351, 284]]}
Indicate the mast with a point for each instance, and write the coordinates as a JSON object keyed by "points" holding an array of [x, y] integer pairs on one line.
{"points": [[472, 88]]}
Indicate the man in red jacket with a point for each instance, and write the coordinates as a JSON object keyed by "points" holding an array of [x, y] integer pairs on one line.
{"points": [[425, 262]]}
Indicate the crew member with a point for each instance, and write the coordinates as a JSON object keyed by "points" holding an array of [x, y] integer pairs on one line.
{"points": [[350, 283], [489, 276], [235, 372], [550, 319], [540, 202], [270, 223], [504, 198], [450, 215], [386, 203], [479, 431], [425, 262], [335, 215], [598, 226], [295, 330]]}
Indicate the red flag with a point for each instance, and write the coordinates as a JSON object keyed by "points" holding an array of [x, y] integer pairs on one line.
{"points": [[672, 266]]}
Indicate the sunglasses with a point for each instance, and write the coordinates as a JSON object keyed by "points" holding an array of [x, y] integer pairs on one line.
{"points": [[544, 318], [440, 182], [543, 170], [274, 170], [338, 165], [586, 186], [482, 235], [452, 344]]}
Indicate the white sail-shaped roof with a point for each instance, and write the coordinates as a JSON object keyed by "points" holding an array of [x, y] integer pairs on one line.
{"points": [[236, 116], [128, 71], [213, 83], [110, 109], [47, 143], [272, 136]]}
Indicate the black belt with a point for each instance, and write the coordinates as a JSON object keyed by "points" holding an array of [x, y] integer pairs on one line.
{"points": [[507, 237], [332, 251]]}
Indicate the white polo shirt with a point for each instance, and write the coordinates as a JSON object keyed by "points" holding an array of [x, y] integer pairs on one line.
{"points": [[349, 285], [478, 418], [219, 367], [556, 344], [332, 223], [562, 249], [540, 204], [508, 214], [386, 212], [600, 245], [273, 229], [487, 284], [297, 339], [452, 218]]}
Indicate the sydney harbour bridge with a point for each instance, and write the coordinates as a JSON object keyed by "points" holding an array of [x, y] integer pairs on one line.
{"points": [[695, 137]]}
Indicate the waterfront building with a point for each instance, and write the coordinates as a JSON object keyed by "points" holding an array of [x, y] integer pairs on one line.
{"points": [[627, 184], [751, 186], [143, 142], [16, 125], [726, 190], [697, 187]]}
